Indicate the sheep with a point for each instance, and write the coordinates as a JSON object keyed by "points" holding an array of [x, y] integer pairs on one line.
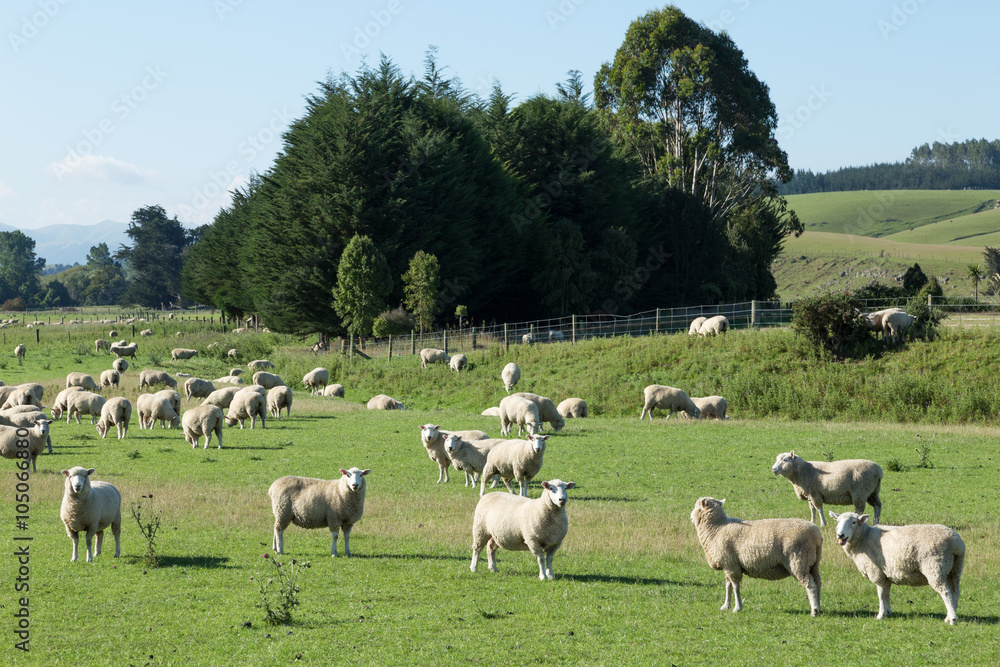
{"points": [[203, 420], [148, 377], [173, 397], [714, 326], [181, 353], [510, 374], [520, 524], [101, 344], [6, 391], [19, 352], [710, 406], [307, 502], [469, 456], [110, 378], [458, 362], [547, 410], [334, 390], [22, 415], [763, 549], [84, 403], [572, 407], [255, 389], [232, 353], [120, 365], [527, 339], [146, 332], [247, 405], [153, 408], [90, 506], [221, 398], [117, 411], [667, 398], [520, 411], [430, 355], [112, 333], [514, 459], [695, 328], [895, 325], [915, 555], [259, 365], [278, 398], [228, 379], [236, 371], [383, 402], [849, 482], [82, 380], [59, 406], [875, 320], [316, 380], [122, 350], [20, 395], [432, 437], [268, 380], [197, 388], [556, 336], [491, 412], [36, 389], [23, 442]]}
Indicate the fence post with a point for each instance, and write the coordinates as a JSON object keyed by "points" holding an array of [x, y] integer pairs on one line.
{"points": [[753, 314], [350, 351], [38, 332], [657, 330], [472, 329], [572, 334], [505, 344], [444, 340], [390, 348], [413, 342]]}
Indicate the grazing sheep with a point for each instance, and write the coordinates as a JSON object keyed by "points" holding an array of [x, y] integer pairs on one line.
{"points": [[695, 328], [153, 408], [228, 379], [59, 406], [458, 362], [122, 350], [714, 326], [84, 403], [278, 398], [221, 397], [120, 365], [22, 415], [875, 320], [180, 353], [334, 390], [667, 398], [710, 406], [101, 344], [247, 405], [915, 555], [510, 374], [203, 420], [173, 397], [82, 380], [23, 442], [110, 378], [112, 333], [895, 325], [256, 389], [316, 380], [268, 380], [469, 456], [36, 389], [259, 365], [850, 482], [522, 524], [556, 336], [547, 411], [146, 332], [19, 353], [197, 388], [233, 353], [527, 339], [514, 459], [236, 371], [572, 408], [429, 355], [433, 437], [20, 395], [148, 377], [90, 506], [383, 402], [520, 411], [117, 411], [764, 549], [491, 412], [307, 502]]}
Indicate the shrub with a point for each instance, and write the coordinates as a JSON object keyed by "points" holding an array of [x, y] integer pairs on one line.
{"points": [[15, 304], [833, 323], [927, 318], [393, 322], [914, 279], [877, 291]]}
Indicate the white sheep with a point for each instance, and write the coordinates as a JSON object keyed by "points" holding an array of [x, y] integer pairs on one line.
{"points": [[82, 380], [232, 353], [236, 371], [520, 411], [527, 339], [268, 380], [149, 377], [278, 398], [197, 388], [915, 555], [510, 375], [572, 408], [221, 397], [146, 332], [153, 408], [122, 350], [18, 396], [110, 378], [172, 396], [762, 549], [117, 411], [895, 325], [101, 344], [458, 362], [334, 390], [36, 389], [59, 406], [307, 502], [120, 365], [228, 379], [259, 365], [19, 352], [469, 456], [383, 402], [848, 482], [514, 459], [247, 405], [316, 380], [714, 326], [254, 389], [671, 399], [203, 420], [23, 442], [181, 353], [90, 506], [695, 328], [491, 412], [875, 320], [430, 355], [84, 403], [556, 336], [521, 524], [433, 437], [710, 406], [547, 410], [22, 415]]}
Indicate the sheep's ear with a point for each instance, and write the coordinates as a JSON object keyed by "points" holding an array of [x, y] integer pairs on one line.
{"points": [[365, 471], [863, 518], [343, 472], [544, 437], [545, 485], [570, 485], [90, 471], [792, 453], [834, 515], [722, 502], [66, 473]]}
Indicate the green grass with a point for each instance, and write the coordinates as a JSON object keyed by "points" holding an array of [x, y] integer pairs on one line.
{"points": [[980, 229]]}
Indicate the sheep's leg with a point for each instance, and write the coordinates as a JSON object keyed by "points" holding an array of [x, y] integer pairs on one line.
{"points": [[441, 473], [950, 599], [819, 510], [208, 439], [549, 555], [100, 543], [876, 504], [510, 487], [75, 536], [491, 554], [278, 542], [116, 530], [333, 549], [540, 556], [347, 541], [733, 588], [884, 608], [810, 580], [89, 537]]}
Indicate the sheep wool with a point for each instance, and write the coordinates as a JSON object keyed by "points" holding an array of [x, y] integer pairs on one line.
{"points": [[432, 437], [316, 380], [92, 507], [469, 456], [848, 482], [573, 408], [518, 410], [117, 411], [514, 459], [203, 420], [307, 502], [430, 355], [37, 436], [672, 399], [510, 375], [547, 410], [279, 398]]}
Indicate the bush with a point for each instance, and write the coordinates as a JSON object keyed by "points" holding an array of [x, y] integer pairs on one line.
{"points": [[927, 319], [914, 279], [877, 291], [833, 323], [395, 322], [15, 304]]}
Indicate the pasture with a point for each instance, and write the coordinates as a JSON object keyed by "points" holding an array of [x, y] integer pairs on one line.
{"points": [[632, 585]]}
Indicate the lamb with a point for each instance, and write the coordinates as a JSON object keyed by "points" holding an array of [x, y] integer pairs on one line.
{"points": [[383, 402], [148, 377], [710, 406], [850, 482], [433, 437], [316, 380], [259, 365], [547, 411], [21, 442], [429, 355], [121, 350], [510, 374], [695, 328], [82, 380], [247, 405], [101, 344], [714, 326], [915, 555], [520, 411], [278, 398], [180, 353], [153, 408], [203, 420], [468, 456], [667, 398], [228, 379], [458, 362], [763, 549], [110, 378], [572, 408], [117, 411], [84, 403], [522, 524], [268, 380], [120, 365], [221, 398], [514, 459], [491, 412], [59, 406], [19, 353], [90, 506], [334, 390], [337, 504], [197, 388], [895, 325]]}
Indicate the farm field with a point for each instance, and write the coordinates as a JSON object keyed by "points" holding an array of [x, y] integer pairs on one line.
{"points": [[632, 585]]}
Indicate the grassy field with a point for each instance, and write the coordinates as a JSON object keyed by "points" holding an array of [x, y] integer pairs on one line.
{"points": [[632, 584]]}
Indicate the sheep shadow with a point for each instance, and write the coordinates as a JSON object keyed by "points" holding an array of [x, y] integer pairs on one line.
{"points": [[907, 616], [611, 499], [203, 562], [616, 579], [406, 557]]}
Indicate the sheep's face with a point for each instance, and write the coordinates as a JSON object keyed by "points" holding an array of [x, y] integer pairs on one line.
{"points": [[783, 463], [42, 426], [428, 432], [78, 480], [451, 443], [848, 524], [556, 490], [538, 442], [355, 478], [707, 507]]}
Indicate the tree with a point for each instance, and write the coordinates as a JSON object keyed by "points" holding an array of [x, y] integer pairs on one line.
{"points": [[19, 268], [363, 283], [105, 277], [153, 262], [422, 285], [975, 273], [56, 296], [914, 279]]}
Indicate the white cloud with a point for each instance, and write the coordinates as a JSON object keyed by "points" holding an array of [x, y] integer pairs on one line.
{"points": [[99, 168], [6, 191]]}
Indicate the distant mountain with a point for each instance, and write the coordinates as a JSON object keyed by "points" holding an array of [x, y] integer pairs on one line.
{"points": [[69, 244]]}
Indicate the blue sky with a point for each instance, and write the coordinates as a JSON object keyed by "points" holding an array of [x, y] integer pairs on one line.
{"points": [[110, 106]]}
